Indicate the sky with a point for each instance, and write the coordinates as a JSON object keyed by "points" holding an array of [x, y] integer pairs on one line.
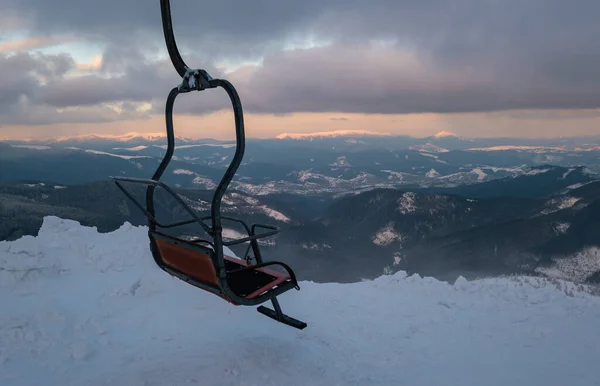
{"points": [[479, 68]]}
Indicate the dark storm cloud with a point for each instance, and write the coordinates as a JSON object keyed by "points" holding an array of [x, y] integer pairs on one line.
{"points": [[445, 55], [381, 80]]}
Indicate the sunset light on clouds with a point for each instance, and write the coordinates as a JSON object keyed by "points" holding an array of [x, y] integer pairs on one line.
{"points": [[474, 68]]}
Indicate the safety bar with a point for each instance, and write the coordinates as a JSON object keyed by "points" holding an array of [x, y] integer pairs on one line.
{"points": [[151, 216], [145, 181], [148, 214]]}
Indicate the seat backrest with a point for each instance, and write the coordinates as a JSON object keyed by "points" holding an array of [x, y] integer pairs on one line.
{"points": [[192, 263]]}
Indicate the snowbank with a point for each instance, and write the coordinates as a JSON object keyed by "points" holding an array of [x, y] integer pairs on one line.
{"points": [[83, 308]]}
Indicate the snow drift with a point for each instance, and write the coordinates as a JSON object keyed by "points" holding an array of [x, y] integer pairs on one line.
{"points": [[83, 308]]}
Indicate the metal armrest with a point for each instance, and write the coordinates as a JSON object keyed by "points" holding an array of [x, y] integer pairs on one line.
{"points": [[145, 181], [271, 227], [251, 237]]}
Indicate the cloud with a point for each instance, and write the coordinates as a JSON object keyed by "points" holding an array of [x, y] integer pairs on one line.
{"points": [[22, 74], [94, 64], [381, 56], [35, 89], [33, 43]]}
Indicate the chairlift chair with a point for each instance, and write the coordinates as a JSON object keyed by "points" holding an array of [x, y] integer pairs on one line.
{"points": [[199, 262]]}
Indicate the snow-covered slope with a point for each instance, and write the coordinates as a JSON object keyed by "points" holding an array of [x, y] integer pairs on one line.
{"points": [[83, 308]]}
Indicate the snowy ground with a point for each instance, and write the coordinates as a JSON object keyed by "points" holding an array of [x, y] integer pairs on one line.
{"points": [[83, 308]]}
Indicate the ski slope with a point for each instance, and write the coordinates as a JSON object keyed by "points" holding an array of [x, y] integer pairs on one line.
{"points": [[83, 308]]}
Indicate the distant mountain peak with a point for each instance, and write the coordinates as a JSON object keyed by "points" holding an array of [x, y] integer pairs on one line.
{"points": [[128, 137], [444, 134], [332, 134]]}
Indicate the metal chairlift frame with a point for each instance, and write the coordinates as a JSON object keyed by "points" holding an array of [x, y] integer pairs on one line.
{"points": [[199, 80]]}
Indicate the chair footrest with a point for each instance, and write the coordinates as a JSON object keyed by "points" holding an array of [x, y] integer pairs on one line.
{"points": [[282, 318]]}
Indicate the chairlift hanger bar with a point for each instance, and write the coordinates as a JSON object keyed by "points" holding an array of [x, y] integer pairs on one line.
{"points": [[199, 79]]}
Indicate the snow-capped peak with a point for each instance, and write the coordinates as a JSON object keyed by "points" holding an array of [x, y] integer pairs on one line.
{"points": [[128, 137], [331, 134], [444, 134]]}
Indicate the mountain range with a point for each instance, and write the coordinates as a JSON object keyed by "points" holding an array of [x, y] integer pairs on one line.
{"points": [[351, 204], [338, 162]]}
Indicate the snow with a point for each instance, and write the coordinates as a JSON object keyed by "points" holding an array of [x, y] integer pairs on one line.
{"points": [[330, 134], [34, 185], [590, 173], [575, 268], [480, 174], [406, 204], [307, 182], [32, 147], [354, 141], [198, 205], [340, 162], [386, 235], [84, 308], [568, 202], [515, 170], [400, 176], [234, 199], [560, 203], [307, 175], [588, 147], [232, 234], [183, 171], [206, 182], [223, 145], [274, 214], [241, 198], [535, 171], [565, 174], [437, 158], [429, 155], [429, 147], [432, 173], [561, 227], [397, 258], [135, 148], [116, 155], [444, 134], [120, 138], [517, 147], [574, 186], [315, 246]]}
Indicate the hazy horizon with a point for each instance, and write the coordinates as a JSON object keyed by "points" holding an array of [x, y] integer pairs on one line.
{"points": [[355, 133]]}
